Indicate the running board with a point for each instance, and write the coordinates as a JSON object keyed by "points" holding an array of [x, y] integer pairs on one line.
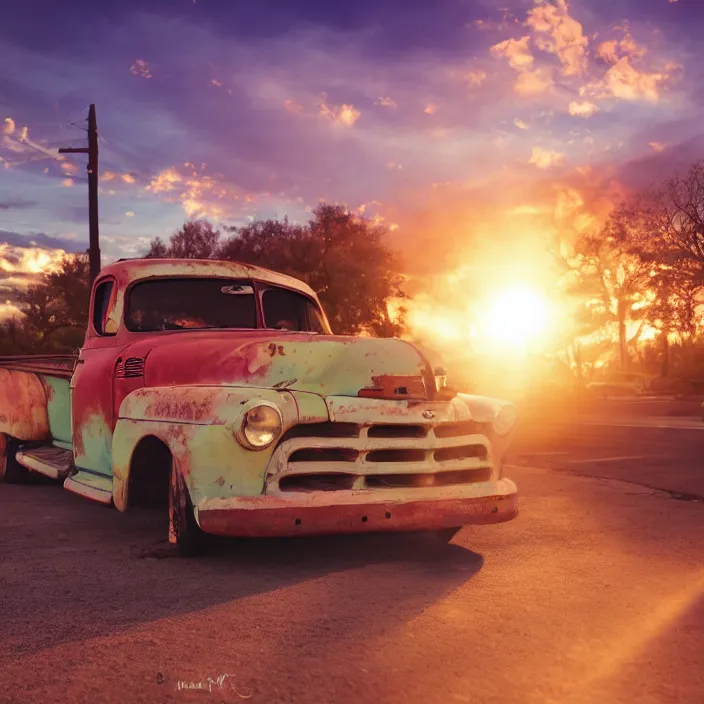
{"points": [[91, 486], [52, 462]]}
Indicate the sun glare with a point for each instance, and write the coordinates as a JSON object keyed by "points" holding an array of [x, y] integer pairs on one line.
{"points": [[517, 317]]}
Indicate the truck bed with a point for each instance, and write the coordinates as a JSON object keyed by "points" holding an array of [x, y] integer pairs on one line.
{"points": [[57, 365]]}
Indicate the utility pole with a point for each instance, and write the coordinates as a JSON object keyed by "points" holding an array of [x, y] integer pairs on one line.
{"points": [[92, 151]]}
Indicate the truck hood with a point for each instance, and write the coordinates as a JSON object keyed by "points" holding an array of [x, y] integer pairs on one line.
{"points": [[322, 364]]}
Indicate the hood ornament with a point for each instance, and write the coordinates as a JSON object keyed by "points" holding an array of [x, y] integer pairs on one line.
{"points": [[428, 415]]}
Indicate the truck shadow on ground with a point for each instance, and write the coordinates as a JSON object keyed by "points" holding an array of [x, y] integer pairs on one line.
{"points": [[73, 570]]}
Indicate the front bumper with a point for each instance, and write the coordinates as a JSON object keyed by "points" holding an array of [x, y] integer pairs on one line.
{"points": [[321, 513]]}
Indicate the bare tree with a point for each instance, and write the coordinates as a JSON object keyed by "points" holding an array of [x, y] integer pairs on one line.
{"points": [[677, 215]]}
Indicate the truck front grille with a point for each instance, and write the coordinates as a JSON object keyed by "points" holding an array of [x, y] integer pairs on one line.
{"points": [[345, 456]]}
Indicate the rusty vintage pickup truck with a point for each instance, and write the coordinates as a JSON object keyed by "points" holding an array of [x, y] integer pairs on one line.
{"points": [[218, 390]]}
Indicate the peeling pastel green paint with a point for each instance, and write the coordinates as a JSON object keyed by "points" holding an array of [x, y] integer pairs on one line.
{"points": [[58, 408], [198, 426], [221, 467], [328, 367], [311, 407], [96, 440]]}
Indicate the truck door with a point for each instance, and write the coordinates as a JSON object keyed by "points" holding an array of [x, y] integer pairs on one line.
{"points": [[92, 419]]}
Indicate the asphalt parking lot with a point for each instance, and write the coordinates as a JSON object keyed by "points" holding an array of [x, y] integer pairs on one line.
{"points": [[594, 594]]}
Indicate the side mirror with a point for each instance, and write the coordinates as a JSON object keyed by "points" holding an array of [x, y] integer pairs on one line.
{"points": [[111, 326]]}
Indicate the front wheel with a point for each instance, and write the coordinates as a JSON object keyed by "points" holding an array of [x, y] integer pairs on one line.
{"points": [[184, 531], [11, 471]]}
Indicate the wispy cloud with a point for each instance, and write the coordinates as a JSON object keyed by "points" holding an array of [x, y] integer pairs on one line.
{"points": [[556, 32], [141, 69], [386, 102], [582, 108], [17, 204], [545, 158], [516, 51], [626, 82], [344, 114]]}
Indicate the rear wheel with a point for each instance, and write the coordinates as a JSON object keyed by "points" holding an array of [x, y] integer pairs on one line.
{"points": [[183, 529], [11, 471], [447, 534]]}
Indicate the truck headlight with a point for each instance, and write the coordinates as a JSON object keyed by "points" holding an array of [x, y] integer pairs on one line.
{"points": [[261, 425], [505, 420]]}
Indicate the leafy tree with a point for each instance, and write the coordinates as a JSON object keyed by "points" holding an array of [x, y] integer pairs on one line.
{"points": [[15, 337], [55, 310], [341, 256], [197, 239], [276, 244]]}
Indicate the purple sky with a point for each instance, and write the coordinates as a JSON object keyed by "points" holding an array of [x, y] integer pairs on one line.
{"points": [[430, 115]]}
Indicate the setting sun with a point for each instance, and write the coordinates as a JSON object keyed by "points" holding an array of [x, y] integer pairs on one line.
{"points": [[517, 317]]}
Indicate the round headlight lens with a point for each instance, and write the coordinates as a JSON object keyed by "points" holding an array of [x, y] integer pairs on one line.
{"points": [[261, 426], [505, 420]]}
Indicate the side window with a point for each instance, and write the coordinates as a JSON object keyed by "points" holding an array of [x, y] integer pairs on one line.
{"points": [[284, 310], [288, 310], [315, 319], [101, 306]]}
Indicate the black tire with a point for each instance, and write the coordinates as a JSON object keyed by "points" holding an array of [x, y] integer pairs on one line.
{"points": [[11, 471], [183, 529], [447, 534]]}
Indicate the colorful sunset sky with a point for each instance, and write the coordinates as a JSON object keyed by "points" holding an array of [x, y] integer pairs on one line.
{"points": [[454, 121]]}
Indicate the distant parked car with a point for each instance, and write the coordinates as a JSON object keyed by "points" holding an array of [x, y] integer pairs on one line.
{"points": [[620, 384]]}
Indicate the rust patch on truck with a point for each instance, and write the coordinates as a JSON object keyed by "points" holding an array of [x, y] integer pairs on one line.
{"points": [[23, 405]]}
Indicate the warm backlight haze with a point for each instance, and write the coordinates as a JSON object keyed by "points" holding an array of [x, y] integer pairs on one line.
{"points": [[486, 139]]}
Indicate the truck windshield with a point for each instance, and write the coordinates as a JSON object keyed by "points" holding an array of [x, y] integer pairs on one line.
{"points": [[197, 304], [176, 304]]}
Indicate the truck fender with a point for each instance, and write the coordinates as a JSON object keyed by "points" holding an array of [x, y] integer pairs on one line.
{"points": [[195, 423], [23, 406]]}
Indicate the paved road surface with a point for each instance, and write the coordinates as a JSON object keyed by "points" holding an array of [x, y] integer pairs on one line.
{"points": [[594, 594]]}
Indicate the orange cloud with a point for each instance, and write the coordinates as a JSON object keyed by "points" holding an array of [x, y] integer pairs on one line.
{"points": [[128, 178], [475, 78], [545, 158], [430, 109], [199, 195], [165, 181], [613, 49], [29, 260], [626, 82], [8, 125], [535, 82], [657, 146], [520, 124], [516, 51], [582, 109], [559, 33], [345, 114], [608, 51], [387, 102], [108, 176], [292, 106], [67, 182], [141, 68]]}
